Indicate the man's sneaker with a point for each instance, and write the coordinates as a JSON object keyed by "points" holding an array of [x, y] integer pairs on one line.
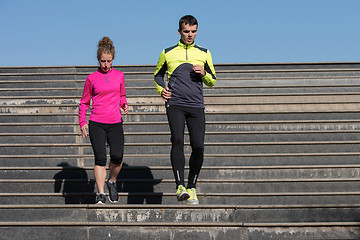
{"points": [[193, 198], [181, 193], [100, 199], [113, 193]]}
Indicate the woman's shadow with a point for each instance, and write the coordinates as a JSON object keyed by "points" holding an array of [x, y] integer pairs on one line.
{"points": [[139, 183], [76, 187]]}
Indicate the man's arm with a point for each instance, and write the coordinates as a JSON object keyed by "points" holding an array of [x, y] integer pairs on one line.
{"points": [[160, 73], [210, 76]]}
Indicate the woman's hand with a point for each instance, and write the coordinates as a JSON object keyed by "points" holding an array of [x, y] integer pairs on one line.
{"points": [[126, 109], [84, 130]]}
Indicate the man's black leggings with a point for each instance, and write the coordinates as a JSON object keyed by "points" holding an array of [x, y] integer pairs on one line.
{"points": [[100, 133], [195, 120]]}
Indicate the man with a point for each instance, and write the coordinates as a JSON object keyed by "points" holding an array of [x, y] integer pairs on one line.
{"points": [[188, 66]]}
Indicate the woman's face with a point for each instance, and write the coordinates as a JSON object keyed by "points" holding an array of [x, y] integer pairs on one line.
{"points": [[106, 62]]}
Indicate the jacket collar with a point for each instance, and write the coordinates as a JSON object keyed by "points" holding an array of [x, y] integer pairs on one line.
{"points": [[101, 71], [182, 44]]}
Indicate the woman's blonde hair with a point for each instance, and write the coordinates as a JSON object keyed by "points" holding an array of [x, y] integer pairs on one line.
{"points": [[106, 46]]}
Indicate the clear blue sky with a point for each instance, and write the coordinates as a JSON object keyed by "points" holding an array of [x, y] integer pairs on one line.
{"points": [[66, 32]]}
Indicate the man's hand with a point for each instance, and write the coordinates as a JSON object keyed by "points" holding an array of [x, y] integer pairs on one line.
{"points": [[199, 69], [166, 94]]}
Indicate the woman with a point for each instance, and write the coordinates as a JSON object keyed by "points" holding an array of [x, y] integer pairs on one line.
{"points": [[106, 89]]}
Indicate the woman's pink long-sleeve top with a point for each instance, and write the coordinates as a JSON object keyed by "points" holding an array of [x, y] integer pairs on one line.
{"points": [[107, 91]]}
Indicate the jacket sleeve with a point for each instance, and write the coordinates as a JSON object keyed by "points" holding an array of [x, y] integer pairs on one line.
{"points": [[85, 102], [160, 71], [210, 76], [123, 100]]}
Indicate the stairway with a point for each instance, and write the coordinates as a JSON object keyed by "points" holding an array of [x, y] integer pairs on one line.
{"points": [[281, 157]]}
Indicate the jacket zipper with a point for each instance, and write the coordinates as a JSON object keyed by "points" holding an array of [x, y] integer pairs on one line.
{"points": [[186, 47]]}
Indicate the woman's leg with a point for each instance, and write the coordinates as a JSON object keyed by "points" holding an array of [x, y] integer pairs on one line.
{"points": [[116, 143], [98, 143], [100, 177]]}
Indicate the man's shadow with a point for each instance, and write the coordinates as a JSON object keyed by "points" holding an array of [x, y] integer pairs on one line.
{"points": [[76, 187], [139, 183]]}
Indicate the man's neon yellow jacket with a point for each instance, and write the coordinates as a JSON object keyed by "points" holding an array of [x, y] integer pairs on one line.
{"points": [[185, 85]]}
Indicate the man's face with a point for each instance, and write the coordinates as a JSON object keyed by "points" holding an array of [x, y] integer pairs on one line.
{"points": [[188, 33]]}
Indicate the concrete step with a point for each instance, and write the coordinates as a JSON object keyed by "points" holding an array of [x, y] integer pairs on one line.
{"points": [[40, 118], [285, 198], [209, 99], [206, 221], [278, 89], [288, 81], [345, 230], [71, 69], [6, 77], [136, 82], [70, 124], [23, 92], [70, 182], [177, 214], [146, 91], [286, 73], [32, 81], [241, 71], [163, 137], [257, 107], [40, 84], [210, 148], [36, 69], [271, 159], [207, 172], [280, 66], [248, 117], [266, 159], [212, 128], [246, 132], [324, 66]]}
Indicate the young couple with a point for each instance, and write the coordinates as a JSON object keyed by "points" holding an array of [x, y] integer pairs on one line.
{"points": [[188, 66]]}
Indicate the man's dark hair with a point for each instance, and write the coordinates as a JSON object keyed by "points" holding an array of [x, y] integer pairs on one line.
{"points": [[188, 19]]}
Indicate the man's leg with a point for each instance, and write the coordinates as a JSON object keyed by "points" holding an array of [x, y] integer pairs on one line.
{"points": [[176, 120], [196, 126]]}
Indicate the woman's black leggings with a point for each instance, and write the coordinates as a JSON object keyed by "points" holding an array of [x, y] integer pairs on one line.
{"points": [[195, 121], [102, 133]]}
